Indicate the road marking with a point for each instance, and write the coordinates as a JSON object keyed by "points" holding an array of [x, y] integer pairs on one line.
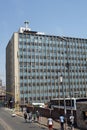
{"points": [[5, 125]]}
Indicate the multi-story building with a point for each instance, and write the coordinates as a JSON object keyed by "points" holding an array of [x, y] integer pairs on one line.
{"points": [[35, 61], [2, 93]]}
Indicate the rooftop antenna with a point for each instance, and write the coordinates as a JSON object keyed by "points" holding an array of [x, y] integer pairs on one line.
{"points": [[26, 24]]}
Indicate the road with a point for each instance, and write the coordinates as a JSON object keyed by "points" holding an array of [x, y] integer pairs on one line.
{"points": [[7, 122]]}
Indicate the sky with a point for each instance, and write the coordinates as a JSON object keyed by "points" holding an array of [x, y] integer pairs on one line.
{"points": [[55, 17]]}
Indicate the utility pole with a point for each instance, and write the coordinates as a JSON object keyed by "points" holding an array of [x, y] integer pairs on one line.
{"points": [[61, 81]]}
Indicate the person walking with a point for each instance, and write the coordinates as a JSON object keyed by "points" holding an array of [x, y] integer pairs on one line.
{"points": [[72, 122], [30, 117], [25, 116], [50, 123], [37, 115], [62, 122]]}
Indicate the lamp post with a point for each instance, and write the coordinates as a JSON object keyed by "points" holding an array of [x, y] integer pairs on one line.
{"points": [[68, 67], [61, 81]]}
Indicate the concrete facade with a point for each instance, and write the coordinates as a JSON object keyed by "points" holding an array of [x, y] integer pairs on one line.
{"points": [[12, 71]]}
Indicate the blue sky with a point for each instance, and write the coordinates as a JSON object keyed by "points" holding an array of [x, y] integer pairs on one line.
{"points": [[56, 17]]}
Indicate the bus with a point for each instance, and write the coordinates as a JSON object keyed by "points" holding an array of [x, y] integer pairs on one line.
{"points": [[70, 103]]}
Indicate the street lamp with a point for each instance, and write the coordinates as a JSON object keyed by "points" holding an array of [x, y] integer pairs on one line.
{"points": [[68, 67], [72, 117], [61, 81]]}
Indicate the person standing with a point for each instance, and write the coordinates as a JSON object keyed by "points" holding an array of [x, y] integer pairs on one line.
{"points": [[50, 123], [62, 122]]}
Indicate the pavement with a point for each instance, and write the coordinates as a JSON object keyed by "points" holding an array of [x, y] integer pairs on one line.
{"points": [[43, 121]]}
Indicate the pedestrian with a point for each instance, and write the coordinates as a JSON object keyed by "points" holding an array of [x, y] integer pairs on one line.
{"points": [[50, 123], [62, 122], [34, 117], [30, 117], [72, 122], [37, 115], [25, 116]]}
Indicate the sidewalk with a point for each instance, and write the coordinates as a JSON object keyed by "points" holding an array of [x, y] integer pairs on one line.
{"points": [[43, 121]]}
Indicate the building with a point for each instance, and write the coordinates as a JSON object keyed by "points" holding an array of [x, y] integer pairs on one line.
{"points": [[35, 61], [2, 93], [0, 83]]}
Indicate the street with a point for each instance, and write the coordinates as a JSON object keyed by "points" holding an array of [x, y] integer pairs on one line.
{"points": [[7, 122]]}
